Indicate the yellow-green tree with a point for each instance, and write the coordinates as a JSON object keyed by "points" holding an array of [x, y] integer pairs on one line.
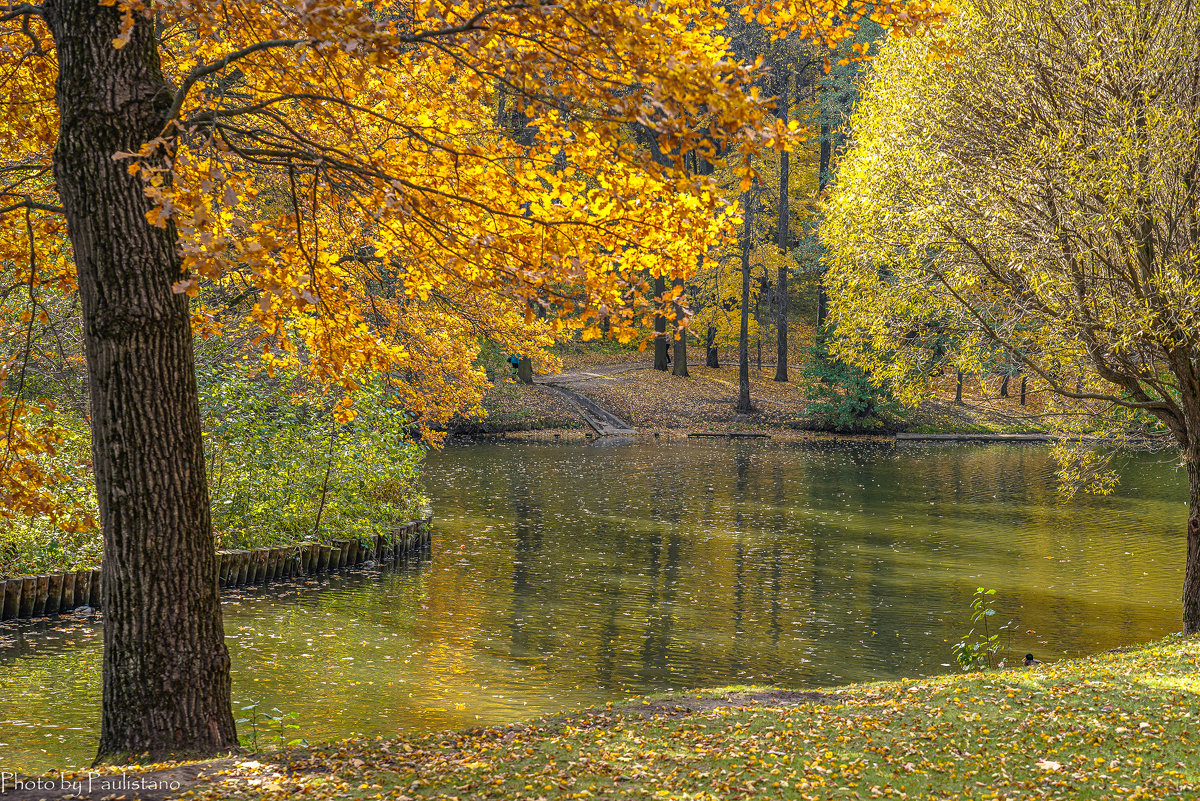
{"points": [[1038, 193]]}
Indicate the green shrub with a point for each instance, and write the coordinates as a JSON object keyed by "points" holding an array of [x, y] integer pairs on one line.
{"points": [[282, 470], [841, 397]]}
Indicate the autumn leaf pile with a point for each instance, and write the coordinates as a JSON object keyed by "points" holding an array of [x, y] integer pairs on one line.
{"points": [[1116, 725]]}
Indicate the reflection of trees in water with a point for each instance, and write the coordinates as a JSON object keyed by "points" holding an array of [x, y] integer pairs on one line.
{"points": [[673, 566], [527, 542], [680, 564], [663, 572]]}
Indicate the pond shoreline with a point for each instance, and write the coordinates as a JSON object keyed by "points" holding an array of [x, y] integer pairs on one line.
{"points": [[42, 597], [934, 736], [790, 435]]}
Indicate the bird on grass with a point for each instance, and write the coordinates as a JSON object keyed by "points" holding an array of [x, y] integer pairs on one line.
{"points": [[1029, 660]]}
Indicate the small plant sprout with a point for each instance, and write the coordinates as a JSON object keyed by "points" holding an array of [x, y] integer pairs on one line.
{"points": [[981, 644]]}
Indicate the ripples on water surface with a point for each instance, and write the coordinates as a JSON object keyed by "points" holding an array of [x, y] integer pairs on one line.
{"points": [[565, 575]]}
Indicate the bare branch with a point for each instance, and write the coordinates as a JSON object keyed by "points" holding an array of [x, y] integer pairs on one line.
{"points": [[32, 205], [204, 70], [11, 11]]}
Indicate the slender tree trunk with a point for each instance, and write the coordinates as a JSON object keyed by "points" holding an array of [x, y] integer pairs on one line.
{"points": [[711, 357], [660, 327], [166, 668], [824, 165], [1191, 572], [781, 280], [743, 404], [1024, 379], [1004, 386], [958, 384], [680, 366]]}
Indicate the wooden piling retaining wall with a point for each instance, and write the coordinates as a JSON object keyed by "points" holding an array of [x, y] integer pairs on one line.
{"points": [[62, 593]]}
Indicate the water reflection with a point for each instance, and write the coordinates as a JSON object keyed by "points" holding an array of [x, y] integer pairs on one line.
{"points": [[563, 575]]}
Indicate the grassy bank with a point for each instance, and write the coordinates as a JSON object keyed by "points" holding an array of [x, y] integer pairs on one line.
{"points": [[1115, 725]]}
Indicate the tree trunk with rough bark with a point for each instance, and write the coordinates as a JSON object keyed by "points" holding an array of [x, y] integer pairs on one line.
{"points": [[679, 368], [660, 328], [166, 668], [711, 357], [743, 405], [525, 370], [1191, 571]]}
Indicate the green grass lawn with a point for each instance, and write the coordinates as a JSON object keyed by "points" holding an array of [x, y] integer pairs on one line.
{"points": [[1110, 726]]}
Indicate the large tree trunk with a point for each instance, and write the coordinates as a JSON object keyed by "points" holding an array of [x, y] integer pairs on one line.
{"points": [[166, 668], [781, 322], [743, 405], [680, 367], [660, 327], [1191, 571], [525, 370], [711, 358]]}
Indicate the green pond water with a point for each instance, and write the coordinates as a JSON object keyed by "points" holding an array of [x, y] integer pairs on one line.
{"points": [[566, 575]]}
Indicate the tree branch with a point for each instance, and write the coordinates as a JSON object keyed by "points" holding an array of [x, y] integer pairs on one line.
{"points": [[32, 205], [204, 70]]}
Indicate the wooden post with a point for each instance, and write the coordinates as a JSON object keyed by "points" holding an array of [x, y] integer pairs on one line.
{"points": [[28, 591], [12, 599], [335, 555], [42, 589], [314, 557], [322, 559], [53, 594], [352, 552], [243, 573], [67, 602], [344, 559], [83, 588], [96, 589]]}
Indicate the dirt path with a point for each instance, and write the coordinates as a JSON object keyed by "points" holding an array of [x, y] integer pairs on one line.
{"points": [[573, 384]]}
